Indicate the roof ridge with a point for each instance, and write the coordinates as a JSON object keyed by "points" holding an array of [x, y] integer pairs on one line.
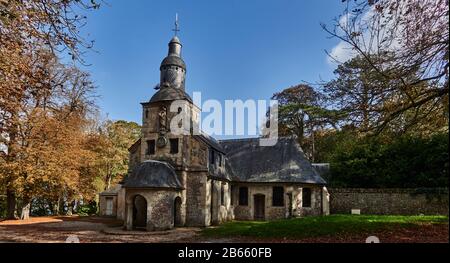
{"points": [[239, 139], [255, 138]]}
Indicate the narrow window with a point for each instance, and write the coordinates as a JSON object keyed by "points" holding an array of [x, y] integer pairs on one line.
{"points": [[220, 159], [146, 114], [306, 197], [243, 196], [222, 195], [150, 147], [174, 145], [232, 195], [277, 196], [180, 123], [211, 156]]}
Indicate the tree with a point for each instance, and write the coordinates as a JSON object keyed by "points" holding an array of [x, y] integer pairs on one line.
{"points": [[416, 33], [367, 97], [48, 144], [406, 161], [301, 113], [32, 34], [111, 145]]}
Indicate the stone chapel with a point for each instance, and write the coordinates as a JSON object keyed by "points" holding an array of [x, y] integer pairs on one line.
{"points": [[194, 180]]}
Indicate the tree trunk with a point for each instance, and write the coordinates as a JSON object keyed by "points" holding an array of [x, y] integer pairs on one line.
{"points": [[26, 207], [61, 205], [10, 158], [69, 208], [10, 204], [108, 181], [74, 206], [313, 148], [56, 208]]}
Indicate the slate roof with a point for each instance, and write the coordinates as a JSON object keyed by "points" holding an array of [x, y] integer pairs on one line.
{"points": [[173, 60], [210, 141], [283, 162], [169, 93], [153, 174]]}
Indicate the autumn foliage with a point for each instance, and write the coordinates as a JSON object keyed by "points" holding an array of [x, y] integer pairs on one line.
{"points": [[54, 151]]}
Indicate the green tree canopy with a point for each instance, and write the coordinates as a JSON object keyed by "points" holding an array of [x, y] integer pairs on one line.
{"points": [[407, 161]]}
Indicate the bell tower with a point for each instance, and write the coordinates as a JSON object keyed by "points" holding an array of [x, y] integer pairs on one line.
{"points": [[161, 139], [173, 68]]}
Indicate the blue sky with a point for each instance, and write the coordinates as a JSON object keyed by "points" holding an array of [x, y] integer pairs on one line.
{"points": [[233, 49]]}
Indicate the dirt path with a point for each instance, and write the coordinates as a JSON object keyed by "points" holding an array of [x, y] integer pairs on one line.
{"points": [[86, 230], [95, 229]]}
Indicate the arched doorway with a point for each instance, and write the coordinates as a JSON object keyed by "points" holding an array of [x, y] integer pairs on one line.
{"points": [[259, 205], [177, 212], [139, 212]]}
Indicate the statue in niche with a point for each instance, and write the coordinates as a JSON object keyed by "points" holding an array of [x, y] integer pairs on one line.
{"points": [[162, 119]]}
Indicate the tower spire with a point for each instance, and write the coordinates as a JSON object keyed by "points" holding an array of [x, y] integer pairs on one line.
{"points": [[176, 29], [173, 68]]}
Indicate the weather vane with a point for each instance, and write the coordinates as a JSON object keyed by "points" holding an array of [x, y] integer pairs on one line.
{"points": [[176, 29]]}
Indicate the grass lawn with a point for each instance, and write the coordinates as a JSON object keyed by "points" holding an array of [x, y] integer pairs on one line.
{"points": [[319, 226]]}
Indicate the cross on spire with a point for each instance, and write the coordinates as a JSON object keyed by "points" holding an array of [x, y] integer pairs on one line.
{"points": [[176, 29]]}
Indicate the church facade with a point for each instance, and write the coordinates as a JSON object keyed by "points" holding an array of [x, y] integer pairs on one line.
{"points": [[182, 179]]}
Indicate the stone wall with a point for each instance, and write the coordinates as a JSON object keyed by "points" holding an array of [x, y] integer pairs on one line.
{"points": [[276, 212], [160, 207], [197, 196], [388, 201], [220, 212], [121, 204], [316, 201], [247, 212]]}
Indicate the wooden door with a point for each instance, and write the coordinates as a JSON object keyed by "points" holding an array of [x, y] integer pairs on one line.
{"points": [[259, 206]]}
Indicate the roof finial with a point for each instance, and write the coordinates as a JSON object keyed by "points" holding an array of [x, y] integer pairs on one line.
{"points": [[176, 29]]}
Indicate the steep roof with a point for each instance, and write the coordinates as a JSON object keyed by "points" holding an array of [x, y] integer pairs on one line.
{"points": [[210, 141], [153, 174], [169, 93], [283, 162]]}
